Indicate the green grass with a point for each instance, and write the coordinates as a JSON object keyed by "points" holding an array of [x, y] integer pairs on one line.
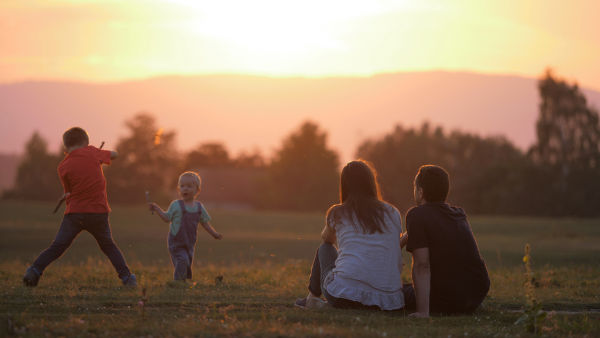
{"points": [[265, 260]]}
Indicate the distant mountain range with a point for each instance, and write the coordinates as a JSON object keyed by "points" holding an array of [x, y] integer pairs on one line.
{"points": [[247, 112]]}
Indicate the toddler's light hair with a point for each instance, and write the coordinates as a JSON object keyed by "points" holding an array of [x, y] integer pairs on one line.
{"points": [[194, 176]]}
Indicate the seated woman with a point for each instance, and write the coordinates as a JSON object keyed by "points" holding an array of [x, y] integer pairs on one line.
{"points": [[364, 272]]}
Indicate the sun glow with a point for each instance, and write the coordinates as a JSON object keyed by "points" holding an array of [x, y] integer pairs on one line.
{"points": [[279, 37], [111, 40], [258, 29]]}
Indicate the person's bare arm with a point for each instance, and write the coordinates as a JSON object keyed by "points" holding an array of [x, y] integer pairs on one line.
{"points": [[328, 235], [403, 239], [421, 275], [209, 228], [159, 211]]}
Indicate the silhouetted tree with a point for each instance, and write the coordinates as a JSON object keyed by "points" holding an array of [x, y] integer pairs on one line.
{"points": [[303, 174], [484, 172], [212, 154], [568, 132], [227, 180], [568, 147], [37, 176], [147, 161], [250, 160]]}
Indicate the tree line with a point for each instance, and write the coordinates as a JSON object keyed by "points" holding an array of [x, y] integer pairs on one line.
{"points": [[558, 176]]}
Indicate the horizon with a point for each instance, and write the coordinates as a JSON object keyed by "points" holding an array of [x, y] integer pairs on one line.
{"points": [[224, 102], [271, 76]]}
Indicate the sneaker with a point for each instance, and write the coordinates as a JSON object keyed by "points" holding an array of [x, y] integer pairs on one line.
{"points": [[32, 277], [130, 281], [310, 303]]}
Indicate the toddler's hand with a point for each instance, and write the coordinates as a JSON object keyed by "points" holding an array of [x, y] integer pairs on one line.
{"points": [[218, 236]]}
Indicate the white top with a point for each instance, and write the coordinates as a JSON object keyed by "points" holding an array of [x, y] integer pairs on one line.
{"points": [[368, 266]]}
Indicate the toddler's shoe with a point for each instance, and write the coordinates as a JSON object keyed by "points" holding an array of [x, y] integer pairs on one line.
{"points": [[32, 277], [130, 281]]}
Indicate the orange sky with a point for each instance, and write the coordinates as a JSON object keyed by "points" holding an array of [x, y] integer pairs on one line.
{"points": [[109, 40]]}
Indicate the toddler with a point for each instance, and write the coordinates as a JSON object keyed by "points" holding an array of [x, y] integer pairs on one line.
{"points": [[184, 215]]}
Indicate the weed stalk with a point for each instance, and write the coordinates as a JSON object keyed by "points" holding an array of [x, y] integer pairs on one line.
{"points": [[533, 316]]}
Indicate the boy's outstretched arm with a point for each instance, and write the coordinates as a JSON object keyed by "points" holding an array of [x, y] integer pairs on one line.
{"points": [[159, 211], [209, 228]]}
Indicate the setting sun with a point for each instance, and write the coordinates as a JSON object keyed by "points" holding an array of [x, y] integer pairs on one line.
{"points": [[277, 37], [113, 40]]}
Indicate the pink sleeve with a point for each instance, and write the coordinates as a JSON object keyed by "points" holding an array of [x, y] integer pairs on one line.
{"points": [[104, 156]]}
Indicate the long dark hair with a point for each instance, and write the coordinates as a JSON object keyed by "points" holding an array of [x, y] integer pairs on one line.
{"points": [[360, 196]]}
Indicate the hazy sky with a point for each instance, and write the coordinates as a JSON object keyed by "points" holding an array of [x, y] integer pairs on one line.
{"points": [[108, 40]]}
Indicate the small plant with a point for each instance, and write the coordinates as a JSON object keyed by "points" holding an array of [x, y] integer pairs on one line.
{"points": [[219, 280], [143, 300], [533, 316]]}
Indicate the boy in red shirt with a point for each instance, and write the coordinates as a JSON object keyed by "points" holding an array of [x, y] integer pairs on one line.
{"points": [[87, 207]]}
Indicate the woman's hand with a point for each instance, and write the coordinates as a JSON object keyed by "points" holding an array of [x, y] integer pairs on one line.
{"points": [[218, 236]]}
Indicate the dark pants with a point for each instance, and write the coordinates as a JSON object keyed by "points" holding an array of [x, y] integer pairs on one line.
{"points": [[71, 226], [324, 262], [181, 257], [465, 304]]}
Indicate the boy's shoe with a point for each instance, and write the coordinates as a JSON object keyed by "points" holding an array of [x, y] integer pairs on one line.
{"points": [[130, 281], [32, 277], [310, 303]]}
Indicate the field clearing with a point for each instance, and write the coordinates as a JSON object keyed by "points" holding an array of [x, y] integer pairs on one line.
{"points": [[264, 259]]}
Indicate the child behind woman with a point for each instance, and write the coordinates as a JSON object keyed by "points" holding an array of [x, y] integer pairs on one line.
{"points": [[184, 215]]}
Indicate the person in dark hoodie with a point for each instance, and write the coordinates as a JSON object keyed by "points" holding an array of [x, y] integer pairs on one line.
{"points": [[449, 274]]}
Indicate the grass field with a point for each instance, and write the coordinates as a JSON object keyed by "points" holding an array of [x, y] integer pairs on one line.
{"points": [[265, 260]]}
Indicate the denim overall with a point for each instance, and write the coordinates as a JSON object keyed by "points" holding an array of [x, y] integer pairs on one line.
{"points": [[181, 245]]}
